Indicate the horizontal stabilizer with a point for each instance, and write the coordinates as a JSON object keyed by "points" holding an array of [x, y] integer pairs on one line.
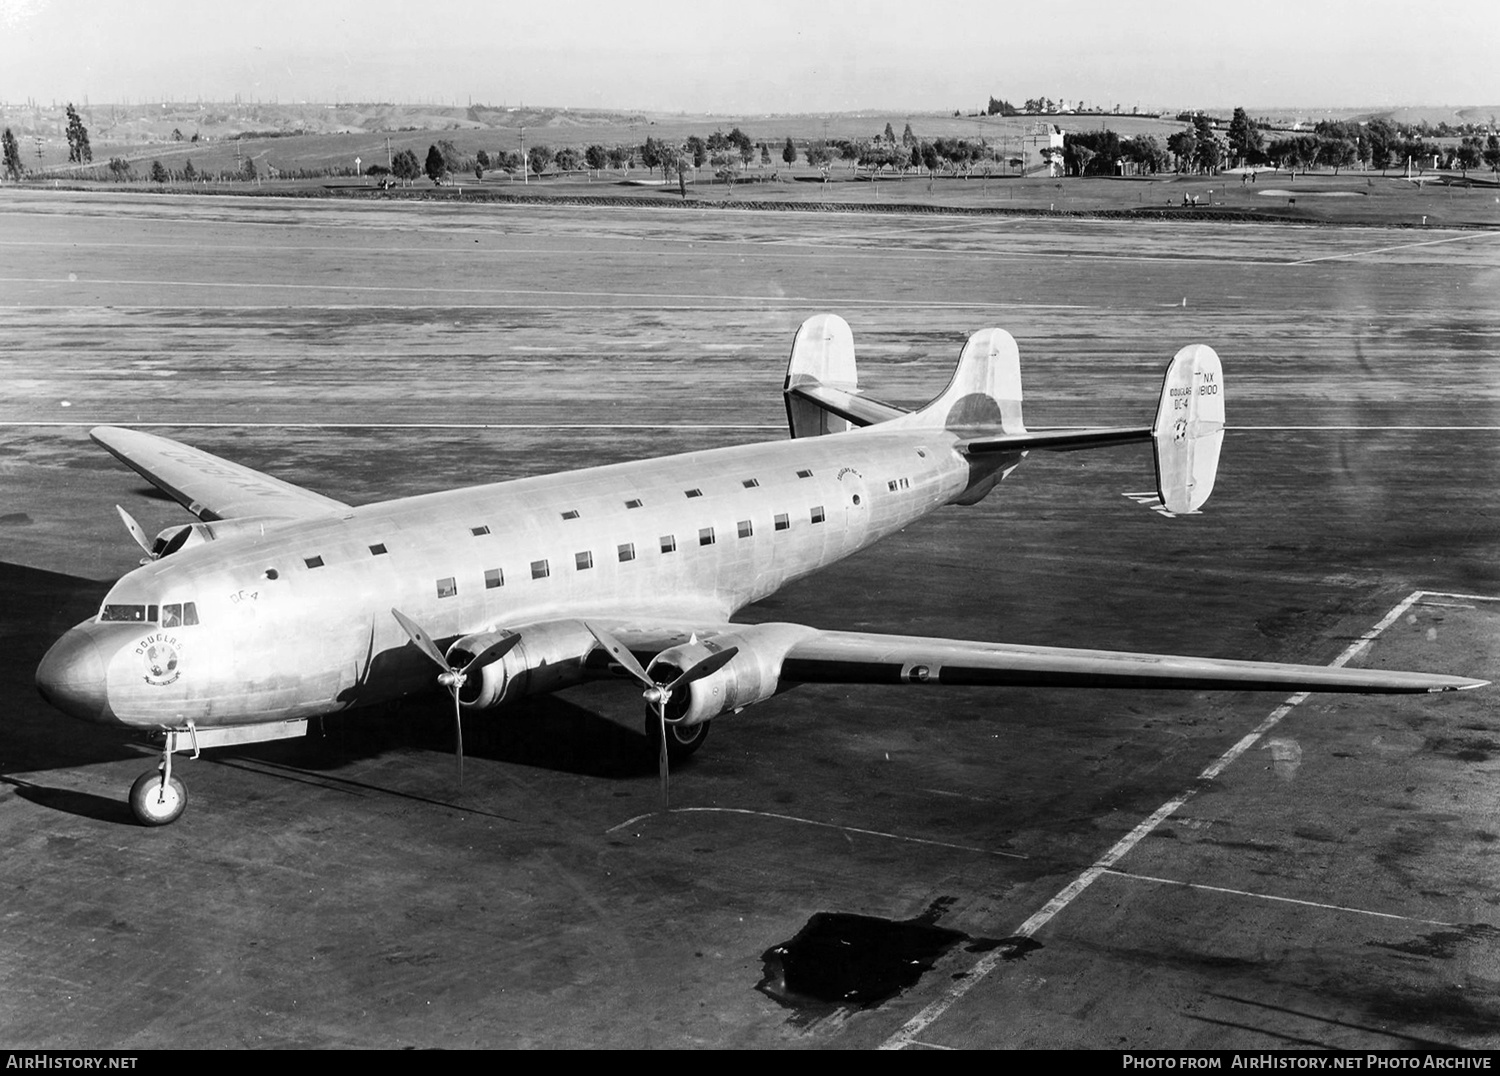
{"points": [[1057, 440]]}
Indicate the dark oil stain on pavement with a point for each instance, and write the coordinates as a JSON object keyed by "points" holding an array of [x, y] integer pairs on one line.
{"points": [[840, 960]]}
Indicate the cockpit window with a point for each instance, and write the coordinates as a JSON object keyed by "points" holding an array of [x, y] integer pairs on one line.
{"points": [[179, 616], [125, 613], [176, 615]]}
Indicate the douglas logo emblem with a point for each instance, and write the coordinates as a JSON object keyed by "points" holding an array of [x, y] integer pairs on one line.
{"points": [[158, 654]]}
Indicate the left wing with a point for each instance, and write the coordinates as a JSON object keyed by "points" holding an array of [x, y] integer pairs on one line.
{"points": [[210, 487], [842, 657]]}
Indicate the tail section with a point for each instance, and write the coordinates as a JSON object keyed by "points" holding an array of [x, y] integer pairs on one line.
{"points": [[985, 392], [822, 358], [1189, 429]]}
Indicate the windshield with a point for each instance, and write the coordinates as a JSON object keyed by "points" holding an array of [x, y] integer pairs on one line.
{"points": [[175, 615]]}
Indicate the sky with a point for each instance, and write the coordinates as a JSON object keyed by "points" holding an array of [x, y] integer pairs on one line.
{"points": [[757, 56]]}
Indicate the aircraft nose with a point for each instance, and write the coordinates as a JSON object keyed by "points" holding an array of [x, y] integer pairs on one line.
{"points": [[71, 677]]}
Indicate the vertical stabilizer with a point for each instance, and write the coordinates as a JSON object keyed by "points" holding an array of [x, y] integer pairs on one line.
{"points": [[822, 355], [1189, 428], [985, 390]]}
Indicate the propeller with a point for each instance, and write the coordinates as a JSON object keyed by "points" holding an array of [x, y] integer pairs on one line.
{"points": [[135, 532], [658, 695], [453, 677]]}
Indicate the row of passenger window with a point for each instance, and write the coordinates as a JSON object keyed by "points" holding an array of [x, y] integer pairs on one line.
{"points": [[447, 587]]}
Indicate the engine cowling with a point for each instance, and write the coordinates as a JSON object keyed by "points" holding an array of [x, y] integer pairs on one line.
{"points": [[174, 539], [548, 657], [752, 675]]}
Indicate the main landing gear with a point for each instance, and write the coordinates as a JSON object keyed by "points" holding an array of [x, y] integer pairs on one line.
{"points": [[682, 740]]}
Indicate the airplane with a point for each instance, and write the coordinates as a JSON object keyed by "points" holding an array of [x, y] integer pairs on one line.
{"points": [[280, 604]]}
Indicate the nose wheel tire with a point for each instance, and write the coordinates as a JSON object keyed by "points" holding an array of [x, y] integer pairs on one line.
{"points": [[154, 804], [682, 740]]}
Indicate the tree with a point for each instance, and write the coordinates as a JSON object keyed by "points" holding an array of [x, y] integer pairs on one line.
{"points": [[1184, 147], [697, 148], [1244, 138], [1382, 138], [189, 173], [789, 152], [597, 157], [1492, 153], [482, 158], [119, 167], [406, 167], [568, 159], [176, 134], [907, 138], [158, 172], [250, 173], [1339, 152], [890, 135], [765, 155], [78, 138], [436, 167], [12, 155], [538, 158], [619, 156]]}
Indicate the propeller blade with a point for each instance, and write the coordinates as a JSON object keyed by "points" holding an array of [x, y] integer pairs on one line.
{"points": [[421, 638], [616, 650], [661, 758], [492, 653], [458, 730], [135, 531], [711, 664]]}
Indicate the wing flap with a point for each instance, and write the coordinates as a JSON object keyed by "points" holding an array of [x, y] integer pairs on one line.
{"points": [[210, 487], [861, 658]]}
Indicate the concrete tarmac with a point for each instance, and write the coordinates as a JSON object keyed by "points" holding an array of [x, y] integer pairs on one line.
{"points": [[1332, 884]]}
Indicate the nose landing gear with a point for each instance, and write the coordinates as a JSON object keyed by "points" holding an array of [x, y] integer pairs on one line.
{"points": [[156, 799]]}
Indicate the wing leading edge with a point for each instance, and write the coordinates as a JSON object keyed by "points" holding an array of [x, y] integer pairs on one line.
{"points": [[837, 657], [210, 487]]}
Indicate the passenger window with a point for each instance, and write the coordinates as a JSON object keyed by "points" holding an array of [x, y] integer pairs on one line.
{"points": [[493, 577], [817, 514], [746, 530], [750, 483], [634, 502], [804, 474], [627, 551], [584, 560], [313, 562], [540, 569], [447, 588], [669, 543], [378, 549], [705, 536], [782, 522], [479, 532], [571, 513], [692, 492]]}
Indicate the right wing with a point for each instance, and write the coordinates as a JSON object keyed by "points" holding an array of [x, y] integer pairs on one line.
{"points": [[207, 486], [844, 657]]}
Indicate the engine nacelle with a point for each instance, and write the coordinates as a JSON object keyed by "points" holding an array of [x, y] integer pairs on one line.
{"points": [[173, 539], [548, 657], [752, 675]]}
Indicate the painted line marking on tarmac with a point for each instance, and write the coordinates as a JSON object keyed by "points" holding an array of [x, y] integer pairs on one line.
{"points": [[822, 825], [658, 301], [1402, 246], [916, 1025], [1283, 900]]}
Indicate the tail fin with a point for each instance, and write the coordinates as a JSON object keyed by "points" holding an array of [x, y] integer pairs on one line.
{"points": [[1189, 428], [822, 357], [985, 390]]}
